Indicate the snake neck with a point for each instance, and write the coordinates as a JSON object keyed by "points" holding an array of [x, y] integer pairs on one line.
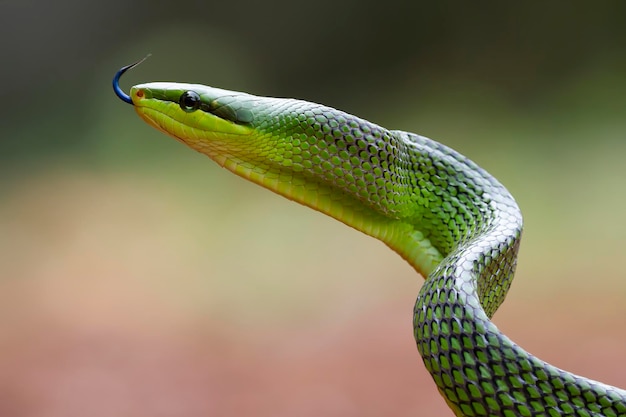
{"points": [[419, 197]]}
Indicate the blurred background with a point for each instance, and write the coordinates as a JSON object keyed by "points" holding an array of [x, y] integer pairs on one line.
{"points": [[137, 278]]}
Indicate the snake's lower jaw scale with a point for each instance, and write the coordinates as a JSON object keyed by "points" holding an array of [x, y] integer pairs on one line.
{"points": [[463, 230]]}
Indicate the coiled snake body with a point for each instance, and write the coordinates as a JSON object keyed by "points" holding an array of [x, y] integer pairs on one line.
{"points": [[451, 220]]}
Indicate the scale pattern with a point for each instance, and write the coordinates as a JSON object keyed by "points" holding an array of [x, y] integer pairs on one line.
{"points": [[406, 190]]}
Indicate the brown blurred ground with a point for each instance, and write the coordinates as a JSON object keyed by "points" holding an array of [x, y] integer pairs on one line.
{"points": [[122, 296]]}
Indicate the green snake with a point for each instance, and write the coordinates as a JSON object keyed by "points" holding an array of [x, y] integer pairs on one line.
{"points": [[447, 217]]}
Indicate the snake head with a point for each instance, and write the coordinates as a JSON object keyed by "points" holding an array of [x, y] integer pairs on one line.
{"points": [[210, 120]]}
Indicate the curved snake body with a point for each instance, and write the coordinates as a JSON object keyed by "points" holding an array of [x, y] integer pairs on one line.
{"points": [[451, 220]]}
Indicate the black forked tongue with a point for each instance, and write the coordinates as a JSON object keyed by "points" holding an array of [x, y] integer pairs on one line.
{"points": [[116, 80]]}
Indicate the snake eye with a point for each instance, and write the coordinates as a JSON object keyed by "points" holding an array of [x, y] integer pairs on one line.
{"points": [[189, 101]]}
